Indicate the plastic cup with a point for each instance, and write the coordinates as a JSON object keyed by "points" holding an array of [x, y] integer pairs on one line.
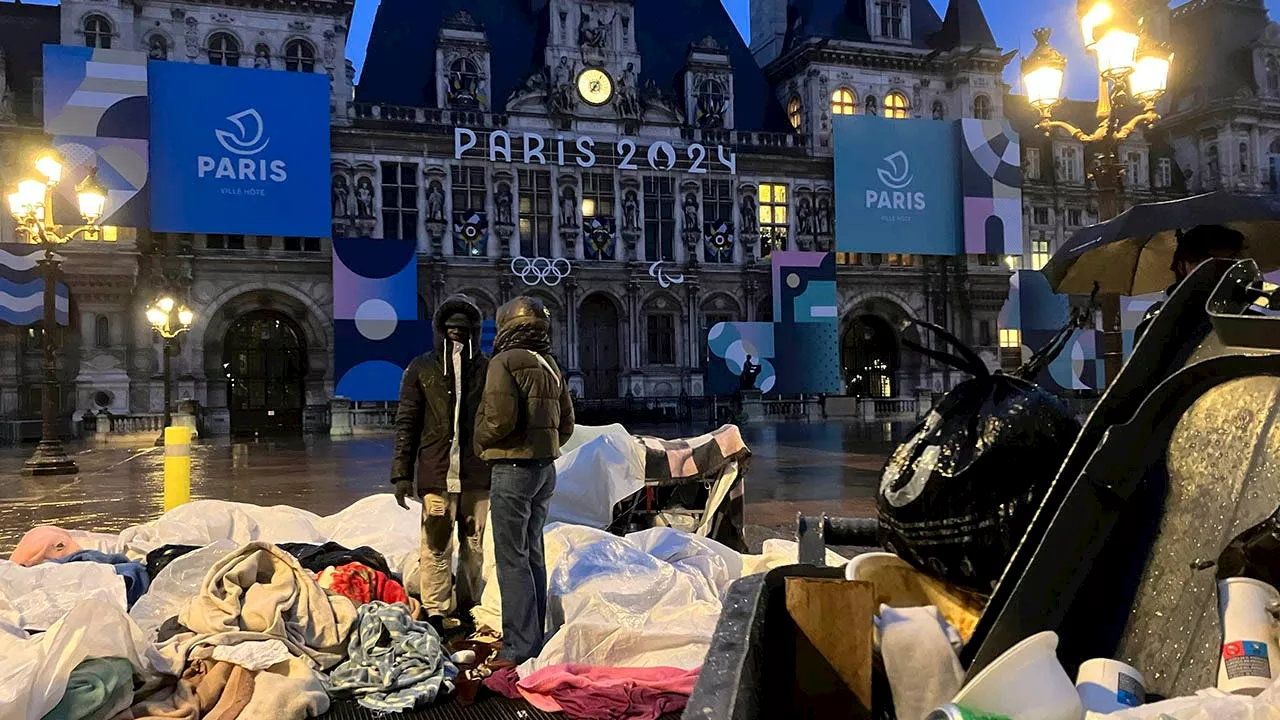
{"points": [[1107, 686], [1026, 683], [1249, 650]]}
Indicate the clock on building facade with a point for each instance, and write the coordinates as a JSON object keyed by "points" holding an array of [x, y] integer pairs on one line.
{"points": [[595, 86]]}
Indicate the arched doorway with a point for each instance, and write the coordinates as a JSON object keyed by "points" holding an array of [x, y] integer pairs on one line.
{"points": [[869, 358], [599, 354], [265, 358]]}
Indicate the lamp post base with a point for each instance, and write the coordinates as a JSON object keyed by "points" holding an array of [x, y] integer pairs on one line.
{"points": [[50, 459]]}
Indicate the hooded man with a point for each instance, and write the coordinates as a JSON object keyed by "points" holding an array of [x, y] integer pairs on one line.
{"points": [[525, 417], [439, 395]]}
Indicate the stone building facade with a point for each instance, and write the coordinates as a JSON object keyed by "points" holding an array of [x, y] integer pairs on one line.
{"points": [[631, 163]]}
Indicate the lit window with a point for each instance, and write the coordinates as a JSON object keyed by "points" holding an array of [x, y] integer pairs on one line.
{"points": [[97, 32], [773, 218], [1010, 338], [299, 56], [896, 106], [843, 102], [1039, 252], [224, 50], [793, 112], [982, 107]]}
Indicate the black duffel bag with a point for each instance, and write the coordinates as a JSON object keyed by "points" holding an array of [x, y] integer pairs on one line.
{"points": [[956, 498]]}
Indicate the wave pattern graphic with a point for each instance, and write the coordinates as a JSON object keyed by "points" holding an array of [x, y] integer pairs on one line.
{"points": [[22, 288]]}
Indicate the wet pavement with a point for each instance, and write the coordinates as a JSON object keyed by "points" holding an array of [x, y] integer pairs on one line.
{"points": [[830, 467]]}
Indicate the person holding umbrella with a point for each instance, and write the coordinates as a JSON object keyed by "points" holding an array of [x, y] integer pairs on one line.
{"points": [[1200, 243]]}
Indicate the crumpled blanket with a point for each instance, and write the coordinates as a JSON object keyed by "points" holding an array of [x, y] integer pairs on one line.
{"points": [[362, 584], [209, 690], [262, 589], [600, 693], [45, 542], [396, 663], [97, 689], [136, 580]]}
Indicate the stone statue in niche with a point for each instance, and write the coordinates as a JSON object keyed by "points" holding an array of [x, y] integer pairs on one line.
{"points": [[330, 48], [341, 197], [594, 29], [435, 202], [192, 37], [629, 93], [503, 202], [562, 96], [823, 216], [690, 212], [804, 217], [262, 57], [630, 211], [750, 216], [568, 208], [364, 198]]}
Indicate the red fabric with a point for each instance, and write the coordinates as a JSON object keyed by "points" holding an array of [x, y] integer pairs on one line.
{"points": [[596, 693], [362, 584], [503, 682]]}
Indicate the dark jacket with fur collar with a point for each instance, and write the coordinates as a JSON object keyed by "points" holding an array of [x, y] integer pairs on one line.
{"points": [[424, 420]]}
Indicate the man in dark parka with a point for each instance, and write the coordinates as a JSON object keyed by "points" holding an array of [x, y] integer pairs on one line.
{"points": [[439, 396]]}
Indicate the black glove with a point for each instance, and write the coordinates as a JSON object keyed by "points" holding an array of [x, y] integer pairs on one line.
{"points": [[404, 489]]}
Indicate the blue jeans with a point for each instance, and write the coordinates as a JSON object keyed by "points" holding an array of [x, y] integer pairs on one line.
{"points": [[519, 500]]}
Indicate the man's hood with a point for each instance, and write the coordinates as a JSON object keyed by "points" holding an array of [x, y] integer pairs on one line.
{"points": [[457, 304]]}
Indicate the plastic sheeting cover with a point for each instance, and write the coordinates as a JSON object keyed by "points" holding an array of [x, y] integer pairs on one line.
{"points": [[33, 676], [42, 594], [178, 582]]}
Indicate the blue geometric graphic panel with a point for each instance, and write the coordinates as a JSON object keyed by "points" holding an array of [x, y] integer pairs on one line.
{"points": [[804, 287], [377, 331], [803, 354], [732, 346], [241, 151], [369, 369]]}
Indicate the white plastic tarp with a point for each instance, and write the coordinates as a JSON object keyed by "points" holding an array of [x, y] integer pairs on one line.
{"points": [[41, 595], [33, 676]]}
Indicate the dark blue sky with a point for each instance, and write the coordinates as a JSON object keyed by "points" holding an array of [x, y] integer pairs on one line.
{"points": [[1011, 20]]}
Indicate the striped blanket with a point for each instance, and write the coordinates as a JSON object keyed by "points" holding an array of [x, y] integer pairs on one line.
{"points": [[688, 458]]}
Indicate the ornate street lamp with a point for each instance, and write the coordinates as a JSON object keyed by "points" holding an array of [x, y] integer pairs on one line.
{"points": [[32, 206], [170, 319], [1133, 74]]}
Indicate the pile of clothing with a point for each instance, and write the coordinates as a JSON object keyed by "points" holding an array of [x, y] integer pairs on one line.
{"points": [[224, 610], [103, 627]]}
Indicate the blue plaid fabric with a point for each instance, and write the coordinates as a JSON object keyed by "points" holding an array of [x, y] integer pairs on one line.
{"points": [[395, 663]]}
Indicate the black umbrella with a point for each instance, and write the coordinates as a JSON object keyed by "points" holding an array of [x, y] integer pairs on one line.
{"points": [[1132, 254]]}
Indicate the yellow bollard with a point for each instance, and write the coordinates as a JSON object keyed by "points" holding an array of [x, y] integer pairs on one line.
{"points": [[177, 467]]}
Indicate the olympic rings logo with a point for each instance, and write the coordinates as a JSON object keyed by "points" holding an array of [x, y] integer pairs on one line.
{"points": [[540, 270]]}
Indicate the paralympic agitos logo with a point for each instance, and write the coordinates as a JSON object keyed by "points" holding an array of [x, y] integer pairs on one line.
{"points": [[896, 176], [244, 146]]}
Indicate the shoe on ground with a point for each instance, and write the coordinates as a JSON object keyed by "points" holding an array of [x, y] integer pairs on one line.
{"points": [[437, 622]]}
